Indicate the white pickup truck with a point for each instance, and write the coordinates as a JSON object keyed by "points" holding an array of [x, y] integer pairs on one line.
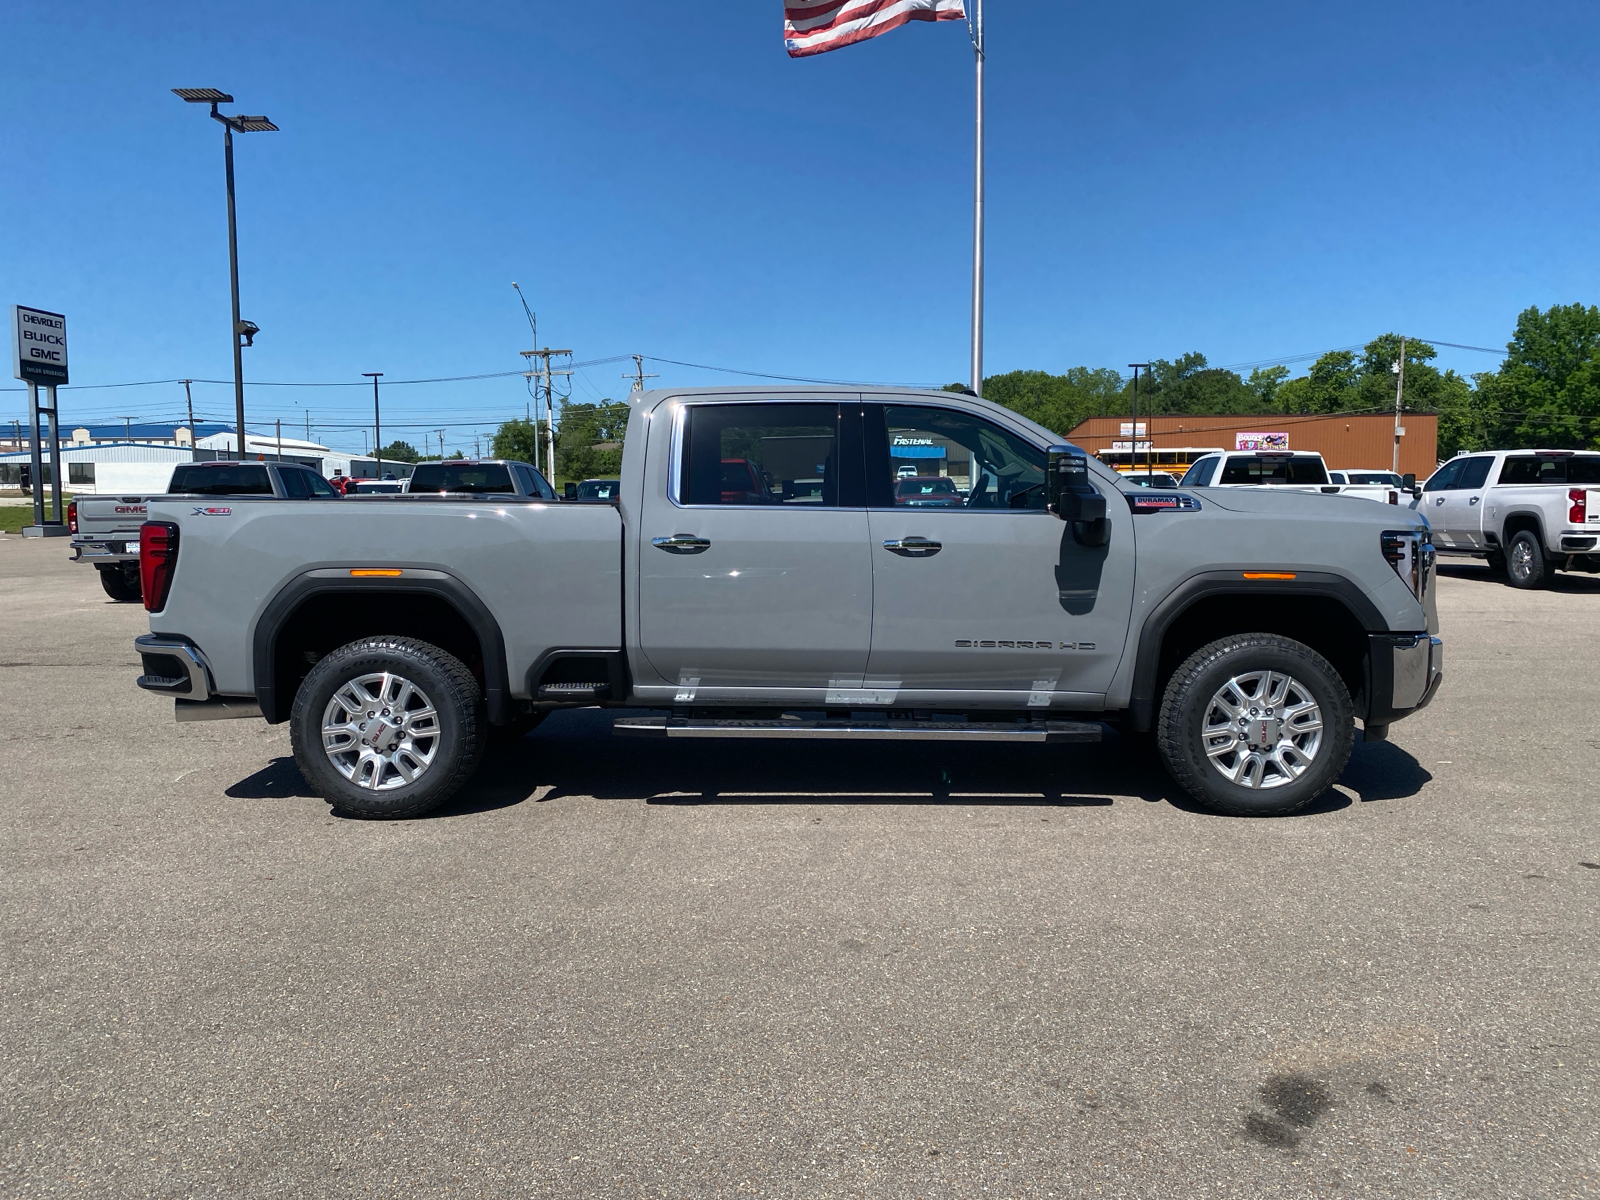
{"points": [[1529, 512], [1291, 470]]}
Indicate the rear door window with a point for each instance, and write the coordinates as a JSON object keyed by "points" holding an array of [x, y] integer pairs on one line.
{"points": [[761, 454], [202, 479], [1475, 473], [486, 479], [294, 484], [1529, 468]]}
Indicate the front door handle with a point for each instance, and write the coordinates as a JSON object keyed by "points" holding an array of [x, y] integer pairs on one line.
{"points": [[1439, 500], [913, 547], [682, 543]]}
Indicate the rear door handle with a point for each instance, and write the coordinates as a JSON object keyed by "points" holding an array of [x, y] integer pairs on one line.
{"points": [[913, 547], [1474, 500], [682, 543]]}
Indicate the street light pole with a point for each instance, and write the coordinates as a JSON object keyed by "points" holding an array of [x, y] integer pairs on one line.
{"points": [[1133, 446], [377, 424], [243, 331]]}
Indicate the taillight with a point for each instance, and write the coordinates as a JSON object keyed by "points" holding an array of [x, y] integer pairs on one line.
{"points": [[158, 559], [72, 517], [1579, 512]]}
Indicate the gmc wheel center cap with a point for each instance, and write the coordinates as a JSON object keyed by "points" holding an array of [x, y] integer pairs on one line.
{"points": [[1261, 729]]}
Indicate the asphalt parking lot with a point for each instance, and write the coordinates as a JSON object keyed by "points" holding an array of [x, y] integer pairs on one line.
{"points": [[616, 968]]}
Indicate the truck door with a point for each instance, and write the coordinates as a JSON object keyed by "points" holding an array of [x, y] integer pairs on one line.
{"points": [[979, 594], [754, 578], [1436, 502], [1465, 502]]}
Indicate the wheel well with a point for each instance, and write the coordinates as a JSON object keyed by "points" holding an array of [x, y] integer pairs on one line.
{"points": [[323, 622], [1517, 522], [1320, 622]]}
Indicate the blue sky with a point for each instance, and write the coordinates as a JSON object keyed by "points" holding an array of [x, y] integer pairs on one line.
{"points": [[1250, 180]]}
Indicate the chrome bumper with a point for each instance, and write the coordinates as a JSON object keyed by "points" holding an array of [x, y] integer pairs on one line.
{"points": [[1406, 670], [103, 550], [174, 667]]}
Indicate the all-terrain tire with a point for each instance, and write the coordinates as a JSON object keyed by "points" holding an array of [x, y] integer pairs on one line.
{"points": [[1299, 770], [121, 584], [1526, 566], [440, 752]]}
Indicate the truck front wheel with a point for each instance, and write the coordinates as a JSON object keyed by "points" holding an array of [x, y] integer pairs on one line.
{"points": [[1256, 725], [387, 727]]}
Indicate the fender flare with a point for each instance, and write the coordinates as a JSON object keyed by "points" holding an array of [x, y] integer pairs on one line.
{"points": [[325, 581], [1147, 660]]}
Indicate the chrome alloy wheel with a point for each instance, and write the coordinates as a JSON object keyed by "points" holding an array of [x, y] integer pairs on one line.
{"points": [[1262, 729], [1521, 558], [380, 731]]}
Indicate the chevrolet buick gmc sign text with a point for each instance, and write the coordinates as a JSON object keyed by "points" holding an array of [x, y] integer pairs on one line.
{"points": [[39, 339]]}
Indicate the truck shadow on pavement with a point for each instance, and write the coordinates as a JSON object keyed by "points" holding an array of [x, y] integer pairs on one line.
{"points": [[573, 754], [1560, 581]]}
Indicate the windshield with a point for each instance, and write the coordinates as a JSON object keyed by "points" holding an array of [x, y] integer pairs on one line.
{"points": [[1274, 471], [203, 479], [468, 478], [1384, 478], [598, 489], [926, 486]]}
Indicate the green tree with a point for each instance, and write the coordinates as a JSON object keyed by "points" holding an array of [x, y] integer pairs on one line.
{"points": [[1265, 383], [519, 439], [589, 440], [1547, 391], [1189, 385], [400, 452], [1058, 402]]}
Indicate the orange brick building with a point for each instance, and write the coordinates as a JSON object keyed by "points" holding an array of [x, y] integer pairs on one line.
{"points": [[1348, 441]]}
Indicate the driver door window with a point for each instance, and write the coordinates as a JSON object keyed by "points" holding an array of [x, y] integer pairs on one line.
{"points": [[941, 458]]}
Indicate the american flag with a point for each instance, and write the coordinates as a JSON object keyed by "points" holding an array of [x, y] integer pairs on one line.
{"points": [[816, 26]]}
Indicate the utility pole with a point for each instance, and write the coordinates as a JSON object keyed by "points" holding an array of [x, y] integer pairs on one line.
{"points": [[377, 430], [477, 446], [977, 207], [1133, 446], [543, 374], [308, 424], [638, 375], [127, 428], [1399, 386], [440, 432], [279, 424], [188, 402]]}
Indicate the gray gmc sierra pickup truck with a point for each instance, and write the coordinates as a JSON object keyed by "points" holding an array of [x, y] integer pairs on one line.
{"points": [[768, 571]]}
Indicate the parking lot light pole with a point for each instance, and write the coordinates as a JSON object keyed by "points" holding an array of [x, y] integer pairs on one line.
{"points": [[377, 424], [243, 331], [1133, 446]]}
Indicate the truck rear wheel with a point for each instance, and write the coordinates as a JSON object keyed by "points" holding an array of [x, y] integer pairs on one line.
{"points": [[1526, 565], [120, 582], [1256, 725], [388, 727]]}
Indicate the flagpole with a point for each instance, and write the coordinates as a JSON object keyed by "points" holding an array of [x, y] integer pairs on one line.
{"points": [[977, 208]]}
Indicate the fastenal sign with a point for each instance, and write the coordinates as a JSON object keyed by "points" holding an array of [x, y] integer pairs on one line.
{"points": [[39, 341]]}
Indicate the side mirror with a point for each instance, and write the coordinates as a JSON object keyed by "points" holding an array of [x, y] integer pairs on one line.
{"points": [[1067, 490], [570, 492], [1408, 482]]}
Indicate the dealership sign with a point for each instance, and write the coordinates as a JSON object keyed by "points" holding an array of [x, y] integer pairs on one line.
{"points": [[39, 340]]}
